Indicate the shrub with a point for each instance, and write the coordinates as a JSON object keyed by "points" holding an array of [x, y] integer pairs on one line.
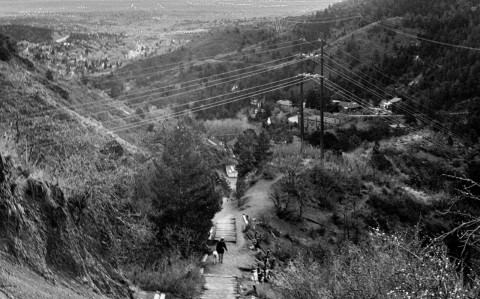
{"points": [[399, 206], [170, 274], [336, 219], [379, 162], [7, 48], [284, 250], [268, 173], [49, 75], [5, 55], [139, 111], [285, 205], [387, 267]]}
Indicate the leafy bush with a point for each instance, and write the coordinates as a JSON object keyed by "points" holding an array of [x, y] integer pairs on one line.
{"points": [[399, 206], [284, 250], [378, 161], [268, 173], [49, 75], [139, 111], [386, 267], [425, 173], [170, 274]]}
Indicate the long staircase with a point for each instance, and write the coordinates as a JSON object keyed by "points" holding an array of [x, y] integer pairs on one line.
{"points": [[220, 287], [218, 284]]}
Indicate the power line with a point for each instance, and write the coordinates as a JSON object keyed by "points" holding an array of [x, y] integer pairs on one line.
{"points": [[364, 104], [425, 118], [253, 73], [206, 99], [250, 74], [410, 110], [423, 32], [187, 66], [358, 84], [121, 71], [294, 81], [373, 92], [429, 40], [110, 101], [444, 128], [115, 100]]}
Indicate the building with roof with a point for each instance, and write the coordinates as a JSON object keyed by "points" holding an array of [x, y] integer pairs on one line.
{"points": [[312, 123], [388, 104], [231, 171], [348, 106], [285, 103]]}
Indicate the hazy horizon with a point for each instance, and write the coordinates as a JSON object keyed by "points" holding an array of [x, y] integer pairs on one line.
{"points": [[224, 8]]}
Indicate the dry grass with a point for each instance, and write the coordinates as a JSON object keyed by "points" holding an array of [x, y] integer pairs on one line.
{"points": [[170, 274]]}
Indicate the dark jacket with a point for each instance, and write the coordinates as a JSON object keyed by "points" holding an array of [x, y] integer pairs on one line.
{"points": [[221, 247]]}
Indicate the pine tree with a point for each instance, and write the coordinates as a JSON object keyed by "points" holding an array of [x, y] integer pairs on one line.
{"points": [[245, 151], [185, 198], [262, 150]]}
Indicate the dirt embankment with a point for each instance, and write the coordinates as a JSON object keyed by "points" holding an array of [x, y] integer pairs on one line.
{"points": [[42, 253]]}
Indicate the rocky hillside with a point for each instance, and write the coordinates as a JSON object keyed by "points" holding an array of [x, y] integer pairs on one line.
{"points": [[61, 233], [37, 230]]}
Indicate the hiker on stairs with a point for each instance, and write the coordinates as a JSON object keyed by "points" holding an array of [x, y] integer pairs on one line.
{"points": [[221, 248]]}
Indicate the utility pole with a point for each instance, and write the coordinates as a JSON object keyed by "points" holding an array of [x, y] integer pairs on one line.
{"points": [[302, 122], [302, 101], [309, 76], [322, 103]]}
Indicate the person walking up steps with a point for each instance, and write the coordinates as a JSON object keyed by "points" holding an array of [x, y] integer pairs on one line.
{"points": [[221, 248]]}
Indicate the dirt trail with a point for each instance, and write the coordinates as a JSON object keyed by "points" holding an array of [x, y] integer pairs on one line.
{"points": [[257, 199], [220, 278]]}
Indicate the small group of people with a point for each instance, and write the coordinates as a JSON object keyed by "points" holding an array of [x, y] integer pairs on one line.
{"points": [[219, 251]]}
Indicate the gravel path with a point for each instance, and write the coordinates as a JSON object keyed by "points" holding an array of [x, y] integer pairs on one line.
{"points": [[221, 279]]}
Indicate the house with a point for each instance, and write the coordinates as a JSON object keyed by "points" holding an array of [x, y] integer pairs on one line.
{"points": [[313, 123], [285, 103], [348, 106], [388, 104], [231, 171], [293, 119]]}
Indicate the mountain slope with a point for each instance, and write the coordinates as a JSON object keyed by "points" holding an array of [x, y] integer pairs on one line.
{"points": [[56, 239]]}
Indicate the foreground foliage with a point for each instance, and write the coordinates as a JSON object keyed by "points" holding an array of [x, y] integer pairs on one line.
{"points": [[387, 267]]}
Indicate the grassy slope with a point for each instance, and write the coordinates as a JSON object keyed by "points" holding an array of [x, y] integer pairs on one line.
{"points": [[41, 109]]}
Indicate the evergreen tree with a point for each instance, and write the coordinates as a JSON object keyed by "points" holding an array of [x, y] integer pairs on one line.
{"points": [[186, 198], [245, 151], [262, 151]]}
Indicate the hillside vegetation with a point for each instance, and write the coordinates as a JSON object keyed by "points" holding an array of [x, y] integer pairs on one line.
{"points": [[109, 184], [74, 206]]}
